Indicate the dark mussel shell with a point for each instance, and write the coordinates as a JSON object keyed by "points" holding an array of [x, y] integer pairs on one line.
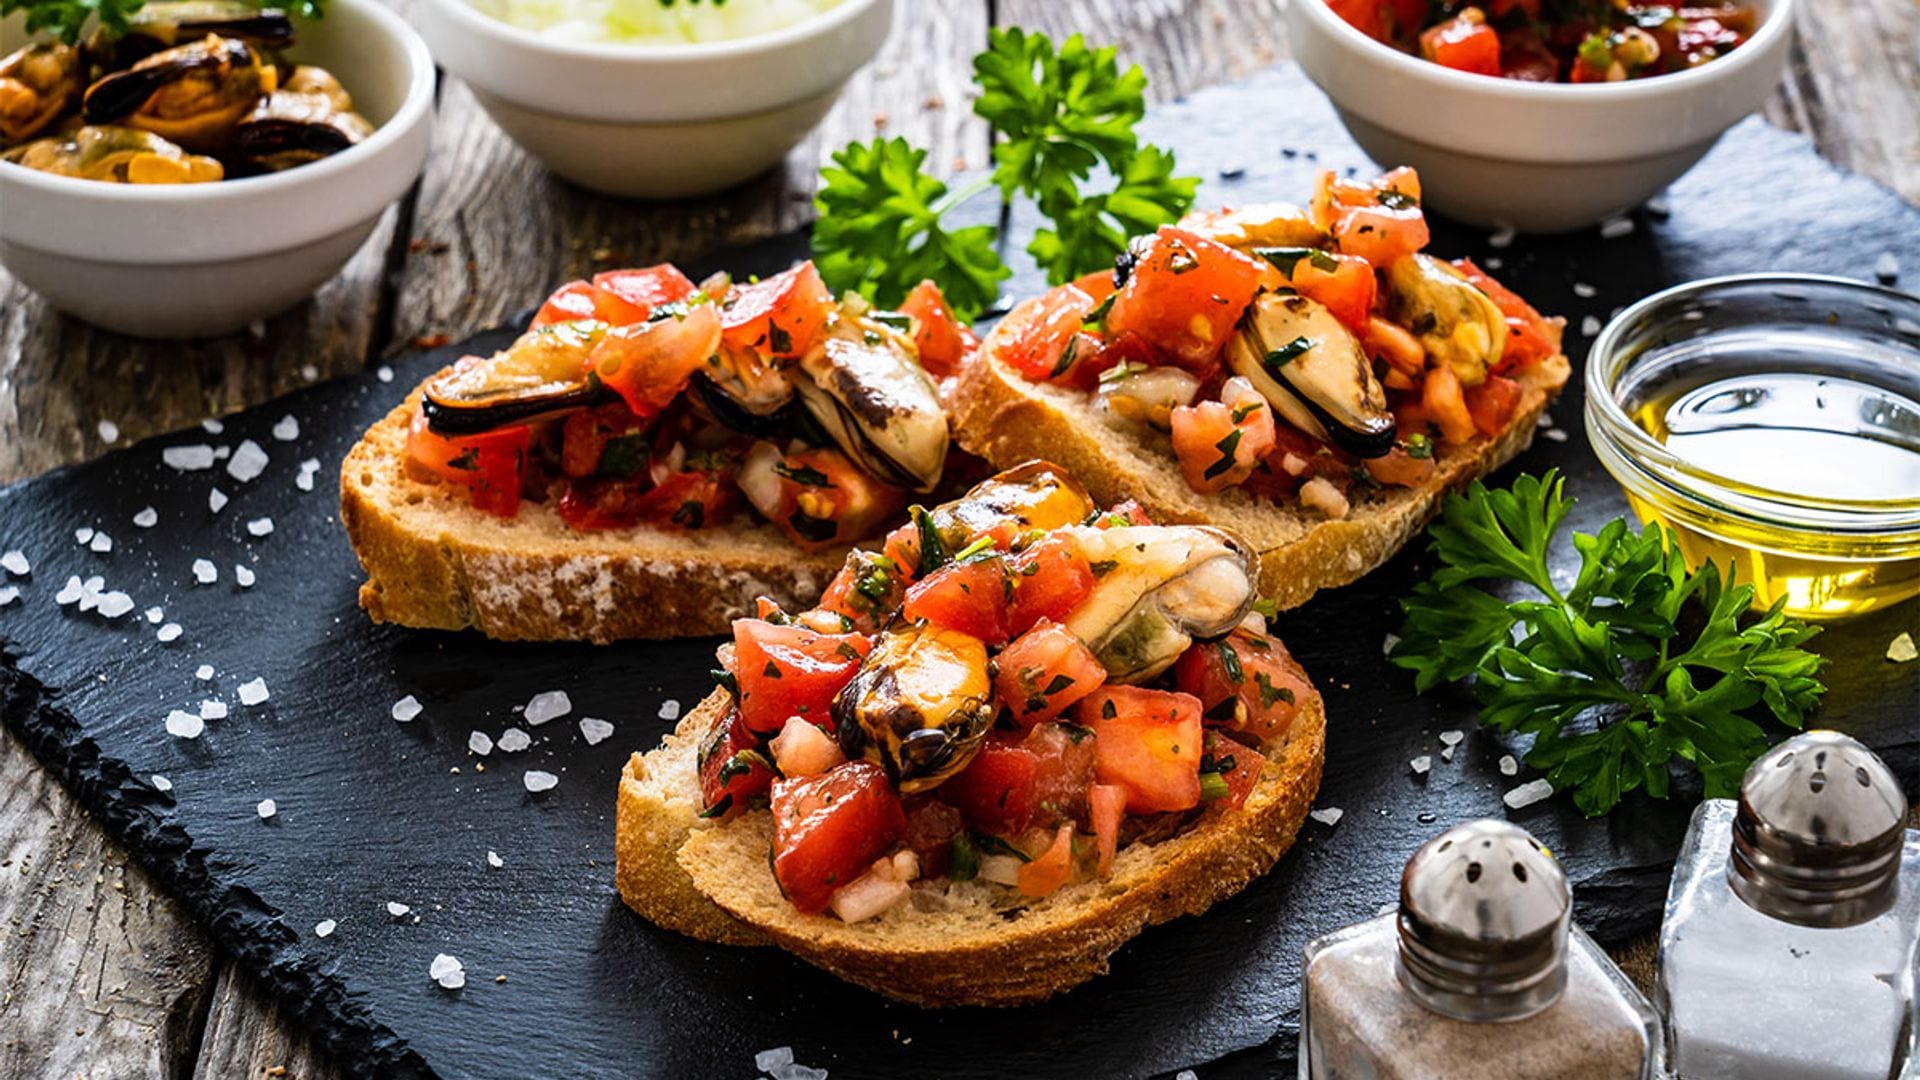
{"points": [[730, 414]]}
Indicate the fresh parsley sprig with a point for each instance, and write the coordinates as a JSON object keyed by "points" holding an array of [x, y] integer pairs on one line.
{"points": [[1638, 661], [1061, 113]]}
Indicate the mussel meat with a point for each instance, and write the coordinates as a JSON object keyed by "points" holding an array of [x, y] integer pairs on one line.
{"points": [[1456, 323], [863, 385], [919, 706], [117, 155], [541, 374], [194, 94], [1257, 225], [308, 118], [162, 24], [1144, 395], [1159, 587], [739, 390], [1313, 372], [1029, 496], [37, 83]]}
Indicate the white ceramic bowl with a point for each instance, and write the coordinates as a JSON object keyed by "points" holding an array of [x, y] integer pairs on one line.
{"points": [[1540, 157], [656, 121], [197, 260]]}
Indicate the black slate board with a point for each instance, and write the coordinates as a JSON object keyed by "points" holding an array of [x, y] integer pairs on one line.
{"points": [[371, 810]]}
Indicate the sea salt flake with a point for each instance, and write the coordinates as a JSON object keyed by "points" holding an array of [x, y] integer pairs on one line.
{"points": [[769, 1060], [1590, 326], [1328, 816], [547, 705], [308, 470], [154, 614], [1901, 649], [203, 672], [513, 740], [248, 462], [169, 632], [205, 572], [260, 526], [1446, 753], [1387, 643], [479, 742], [216, 500], [1584, 291], [147, 518], [670, 709], [212, 426], [1887, 267], [184, 725], [252, 693], [1509, 765], [407, 708], [213, 710], [287, 430], [8, 594], [267, 809], [538, 780], [397, 909], [160, 783], [1555, 434], [448, 972], [1616, 227], [69, 592], [1659, 205], [594, 730], [383, 373], [310, 373], [1502, 237], [494, 860], [1452, 738], [101, 543], [1421, 764], [1495, 262], [15, 562], [83, 534], [242, 576], [1527, 794], [324, 928], [188, 458], [109, 431], [115, 604], [1186, 1074]]}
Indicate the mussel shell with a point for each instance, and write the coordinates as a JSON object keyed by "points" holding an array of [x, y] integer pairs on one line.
{"points": [[1328, 389], [724, 410], [864, 387], [920, 706], [472, 417], [38, 82], [1164, 586], [232, 88]]}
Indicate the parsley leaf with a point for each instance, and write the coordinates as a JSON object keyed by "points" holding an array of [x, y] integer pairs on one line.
{"points": [[1638, 663]]}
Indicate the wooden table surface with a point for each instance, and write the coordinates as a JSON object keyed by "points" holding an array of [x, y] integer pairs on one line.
{"points": [[103, 976]]}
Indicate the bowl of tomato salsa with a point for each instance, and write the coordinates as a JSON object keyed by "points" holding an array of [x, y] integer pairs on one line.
{"points": [[1541, 115]]}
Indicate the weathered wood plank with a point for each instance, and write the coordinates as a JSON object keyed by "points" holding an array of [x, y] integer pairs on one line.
{"points": [[1182, 45], [1853, 85], [248, 1037]]}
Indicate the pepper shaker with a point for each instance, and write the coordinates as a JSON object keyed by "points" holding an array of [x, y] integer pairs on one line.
{"points": [[1479, 973], [1792, 937]]}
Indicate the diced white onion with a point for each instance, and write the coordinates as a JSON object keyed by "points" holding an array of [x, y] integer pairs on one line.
{"points": [[804, 750], [866, 896], [1000, 869], [1321, 495], [758, 481]]}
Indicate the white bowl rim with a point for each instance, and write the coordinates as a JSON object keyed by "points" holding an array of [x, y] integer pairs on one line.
{"points": [[464, 12], [413, 108], [1778, 20]]}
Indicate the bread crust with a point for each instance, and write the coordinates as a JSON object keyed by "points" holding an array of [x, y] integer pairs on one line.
{"points": [[435, 562], [1001, 416]]}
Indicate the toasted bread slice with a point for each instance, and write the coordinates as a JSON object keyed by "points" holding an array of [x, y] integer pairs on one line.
{"points": [[967, 944], [433, 561], [1006, 419]]}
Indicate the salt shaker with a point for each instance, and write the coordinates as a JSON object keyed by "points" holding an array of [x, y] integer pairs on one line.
{"points": [[1792, 936], [1479, 973]]}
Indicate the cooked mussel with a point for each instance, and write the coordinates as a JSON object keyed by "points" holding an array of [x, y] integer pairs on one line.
{"points": [[194, 94], [37, 83], [1456, 323], [919, 706], [862, 384], [1258, 225], [541, 374], [309, 118], [117, 155], [1313, 372], [162, 24], [739, 390], [1034, 495], [1158, 588]]}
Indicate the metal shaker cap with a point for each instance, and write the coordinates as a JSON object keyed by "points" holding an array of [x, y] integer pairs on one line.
{"points": [[1484, 911], [1817, 837]]}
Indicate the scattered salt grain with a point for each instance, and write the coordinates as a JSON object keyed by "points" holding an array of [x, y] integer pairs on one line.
{"points": [[547, 705], [101, 543], [1509, 765], [147, 518], [287, 430], [1590, 326], [494, 860], [1502, 237], [1452, 737], [670, 709], [188, 458], [248, 462], [383, 373], [538, 780], [1421, 764], [115, 604], [216, 500], [160, 783], [1887, 267], [267, 809], [213, 710], [212, 426], [1616, 227], [1901, 649], [154, 614], [69, 592], [1387, 643], [169, 632], [1495, 262], [1328, 816], [1186, 1074], [397, 909], [91, 592], [479, 742], [252, 693], [1527, 794], [83, 534], [308, 470], [447, 971], [205, 572], [203, 672], [1555, 434], [109, 431], [407, 708], [242, 576], [1446, 753], [8, 594], [324, 928], [260, 526], [594, 730], [15, 562], [513, 740], [769, 1060], [184, 725], [1658, 205], [1584, 291], [797, 1071]]}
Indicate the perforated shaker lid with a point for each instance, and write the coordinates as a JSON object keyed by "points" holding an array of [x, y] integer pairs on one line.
{"points": [[1817, 837]]}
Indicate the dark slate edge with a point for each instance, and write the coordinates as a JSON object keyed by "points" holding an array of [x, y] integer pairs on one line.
{"points": [[245, 926]]}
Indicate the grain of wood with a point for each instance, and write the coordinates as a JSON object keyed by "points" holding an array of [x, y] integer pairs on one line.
{"points": [[1182, 45], [247, 1035], [1853, 85]]}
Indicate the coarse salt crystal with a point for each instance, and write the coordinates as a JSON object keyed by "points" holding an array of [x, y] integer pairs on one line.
{"points": [[109, 431], [1421, 764], [1509, 765], [479, 742], [308, 470], [1659, 206], [494, 860], [407, 708], [83, 534], [1615, 228], [1502, 237], [1901, 649], [547, 705], [185, 725], [447, 971], [1590, 325], [101, 543], [69, 592], [1329, 816], [513, 740], [1446, 753], [1527, 794], [670, 709], [397, 909], [1495, 262], [115, 604], [769, 1060], [147, 518], [538, 780], [248, 462], [594, 730], [1584, 291], [213, 710], [1186, 1074], [205, 572], [252, 693], [216, 500], [1387, 643], [266, 809], [383, 373], [15, 562], [212, 426], [287, 430], [309, 372], [154, 614], [169, 632], [188, 458], [324, 928], [242, 576], [797, 1071], [1887, 267], [1555, 434], [8, 594], [260, 526], [1452, 737], [203, 672], [160, 783]]}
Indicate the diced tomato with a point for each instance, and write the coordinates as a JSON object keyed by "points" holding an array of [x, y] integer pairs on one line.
{"points": [[588, 505], [1238, 766], [1529, 8], [817, 496], [942, 340], [1128, 512], [1399, 468], [1042, 330], [1446, 406], [1044, 672], [969, 596], [648, 287], [1463, 43], [1252, 671], [488, 465], [1047, 871], [1379, 222], [931, 827], [787, 671], [1344, 283], [828, 829], [781, 316], [1220, 442], [1147, 741], [692, 499], [1106, 806], [867, 590], [1401, 19], [1050, 579], [1531, 338], [1523, 55], [1184, 295], [648, 363], [1017, 782], [733, 771], [583, 300], [1492, 404], [1362, 15], [587, 434], [1097, 285]]}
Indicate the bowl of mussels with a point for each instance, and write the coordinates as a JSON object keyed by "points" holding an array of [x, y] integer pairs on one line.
{"points": [[208, 164]]}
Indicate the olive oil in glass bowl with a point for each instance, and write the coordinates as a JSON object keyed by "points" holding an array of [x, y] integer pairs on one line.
{"points": [[1772, 422]]}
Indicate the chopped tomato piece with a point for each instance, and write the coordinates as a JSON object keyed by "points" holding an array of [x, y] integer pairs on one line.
{"points": [[817, 496], [787, 671], [867, 590], [1379, 222], [648, 363], [931, 827], [942, 340], [1147, 741], [1531, 337], [1126, 513], [608, 441], [1362, 15], [1220, 442], [780, 317], [648, 287], [1492, 404], [1044, 672], [693, 499], [1463, 43], [1344, 283], [828, 829], [1016, 782], [488, 465], [1050, 579], [1245, 682], [1043, 332], [1184, 295], [1106, 806], [1446, 405], [1050, 869], [583, 300], [1236, 764], [1400, 468], [733, 771], [969, 596]]}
